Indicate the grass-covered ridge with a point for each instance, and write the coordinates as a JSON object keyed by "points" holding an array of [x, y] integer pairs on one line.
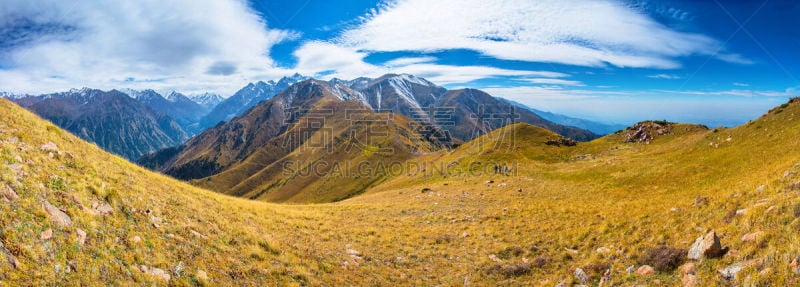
{"points": [[602, 205]]}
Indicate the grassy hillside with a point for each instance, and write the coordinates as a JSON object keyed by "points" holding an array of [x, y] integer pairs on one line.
{"points": [[596, 206], [349, 151]]}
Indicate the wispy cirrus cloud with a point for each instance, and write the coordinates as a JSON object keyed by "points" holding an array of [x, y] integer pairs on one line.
{"points": [[664, 76], [330, 60], [577, 32]]}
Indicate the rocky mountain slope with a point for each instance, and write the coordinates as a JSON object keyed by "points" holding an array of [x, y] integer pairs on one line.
{"points": [[110, 119], [246, 98], [175, 105], [312, 122], [454, 116], [464, 113]]}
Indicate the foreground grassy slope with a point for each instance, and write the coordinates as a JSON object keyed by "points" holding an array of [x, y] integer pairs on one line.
{"points": [[595, 206]]}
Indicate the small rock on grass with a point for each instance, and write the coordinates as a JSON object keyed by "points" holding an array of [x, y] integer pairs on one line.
{"points": [[56, 215], [47, 234], [752, 236], [155, 272], [645, 270], [706, 246]]}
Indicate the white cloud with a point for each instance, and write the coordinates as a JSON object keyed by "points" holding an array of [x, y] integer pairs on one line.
{"points": [[327, 60], [577, 32], [664, 76], [554, 82], [188, 45], [741, 84], [408, 61]]}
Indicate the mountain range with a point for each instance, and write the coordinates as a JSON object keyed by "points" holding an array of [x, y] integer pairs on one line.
{"points": [[246, 156], [246, 98], [112, 120]]}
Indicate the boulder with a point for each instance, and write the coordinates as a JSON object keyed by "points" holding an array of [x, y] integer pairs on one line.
{"points": [[729, 273], [155, 272], [706, 246], [81, 236], [580, 275], [47, 234], [49, 146], [688, 268], [645, 270], [689, 280], [56, 215], [9, 193], [103, 208], [751, 237], [202, 276], [10, 257]]}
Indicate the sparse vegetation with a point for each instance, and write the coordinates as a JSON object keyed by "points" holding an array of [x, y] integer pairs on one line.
{"points": [[629, 203], [663, 258]]}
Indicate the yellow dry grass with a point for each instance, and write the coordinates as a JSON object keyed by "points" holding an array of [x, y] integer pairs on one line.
{"points": [[420, 228]]}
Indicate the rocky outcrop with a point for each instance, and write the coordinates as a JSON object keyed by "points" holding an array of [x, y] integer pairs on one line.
{"points": [[644, 132], [706, 246]]}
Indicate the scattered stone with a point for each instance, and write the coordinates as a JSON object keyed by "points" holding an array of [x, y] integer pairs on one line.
{"points": [[706, 246], [674, 209], [794, 267], [645, 270], [729, 273], [56, 215], [688, 268], [494, 258], [603, 250], [644, 132], [580, 275], [178, 269], [10, 257], [787, 173], [102, 207], [741, 211], [765, 272], [155, 272], [198, 235], [700, 201], [7, 192], [47, 234], [761, 188], [769, 209], [519, 190], [201, 275], [354, 254], [81, 236], [465, 235], [561, 141], [605, 279], [630, 269], [689, 280], [752, 236], [136, 239], [49, 146]]}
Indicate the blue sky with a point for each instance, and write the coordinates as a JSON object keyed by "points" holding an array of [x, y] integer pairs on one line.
{"points": [[710, 62]]}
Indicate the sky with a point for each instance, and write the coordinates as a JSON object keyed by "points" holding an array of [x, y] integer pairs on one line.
{"points": [[712, 62]]}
